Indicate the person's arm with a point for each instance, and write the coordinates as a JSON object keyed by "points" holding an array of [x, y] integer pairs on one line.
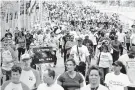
{"points": [[14, 56], [38, 79], [25, 42], [59, 80], [82, 84], [107, 86], [87, 55], [72, 53], [131, 41]]}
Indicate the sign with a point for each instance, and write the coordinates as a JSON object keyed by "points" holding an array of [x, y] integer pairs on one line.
{"points": [[43, 55]]}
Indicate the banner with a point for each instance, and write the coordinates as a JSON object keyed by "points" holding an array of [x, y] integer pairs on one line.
{"points": [[43, 55]]}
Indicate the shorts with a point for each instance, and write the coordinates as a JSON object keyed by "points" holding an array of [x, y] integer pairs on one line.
{"points": [[7, 73]]}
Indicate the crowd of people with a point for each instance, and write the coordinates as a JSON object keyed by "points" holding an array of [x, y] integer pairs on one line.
{"points": [[80, 34]]}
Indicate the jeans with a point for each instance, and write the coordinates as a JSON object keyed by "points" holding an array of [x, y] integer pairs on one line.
{"points": [[20, 52], [104, 71], [128, 46]]}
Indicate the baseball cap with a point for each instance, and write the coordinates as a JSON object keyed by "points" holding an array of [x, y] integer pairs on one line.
{"points": [[79, 39], [118, 63], [25, 57]]}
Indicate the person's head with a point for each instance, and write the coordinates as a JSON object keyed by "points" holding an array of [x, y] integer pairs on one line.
{"points": [[20, 34], [80, 41], [5, 44], [116, 37], [26, 61], [15, 73], [117, 66], [16, 28], [104, 48], [87, 37], [47, 31], [67, 32], [131, 52], [94, 75], [72, 38], [70, 65], [10, 41], [9, 35], [133, 26], [49, 77], [52, 34]]}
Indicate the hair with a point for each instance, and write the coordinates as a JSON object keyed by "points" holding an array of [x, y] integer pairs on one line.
{"points": [[94, 68], [104, 47], [72, 60], [51, 73], [2, 39], [16, 68], [123, 69]]}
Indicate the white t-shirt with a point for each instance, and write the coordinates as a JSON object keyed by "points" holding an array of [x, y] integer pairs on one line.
{"points": [[9, 85], [92, 37], [116, 82], [121, 37], [28, 78], [130, 67], [44, 86], [83, 53], [132, 38], [105, 59], [87, 87], [12, 86], [7, 57]]}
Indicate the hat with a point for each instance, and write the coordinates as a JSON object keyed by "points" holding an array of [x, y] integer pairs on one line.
{"points": [[118, 63], [132, 50], [133, 25], [79, 39], [25, 57]]}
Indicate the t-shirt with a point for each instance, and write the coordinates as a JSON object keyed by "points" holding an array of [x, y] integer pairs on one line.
{"points": [[116, 82], [87, 87], [28, 78], [132, 38], [7, 57], [69, 83], [83, 53], [105, 59], [44, 86], [121, 37], [40, 38], [127, 38], [12, 86], [130, 67], [21, 42], [92, 37]]}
